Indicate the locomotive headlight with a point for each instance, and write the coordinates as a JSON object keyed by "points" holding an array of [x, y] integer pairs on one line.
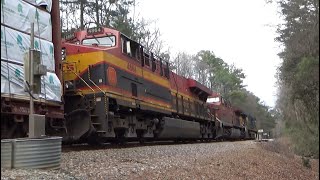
{"points": [[69, 85]]}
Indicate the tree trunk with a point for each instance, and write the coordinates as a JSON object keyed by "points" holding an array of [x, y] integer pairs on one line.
{"points": [[97, 12], [81, 14]]}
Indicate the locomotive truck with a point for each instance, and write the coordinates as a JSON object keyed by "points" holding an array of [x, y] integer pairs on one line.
{"points": [[114, 90]]}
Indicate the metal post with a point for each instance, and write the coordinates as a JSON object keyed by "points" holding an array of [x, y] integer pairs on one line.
{"points": [[31, 122], [36, 121], [31, 68]]}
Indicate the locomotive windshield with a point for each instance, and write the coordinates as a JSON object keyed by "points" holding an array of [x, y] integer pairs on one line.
{"points": [[108, 41]]}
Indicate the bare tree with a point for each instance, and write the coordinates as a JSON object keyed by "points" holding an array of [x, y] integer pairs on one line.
{"points": [[183, 65]]}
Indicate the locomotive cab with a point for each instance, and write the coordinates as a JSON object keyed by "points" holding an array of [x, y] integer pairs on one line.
{"points": [[96, 37], [228, 122], [118, 44], [221, 108]]}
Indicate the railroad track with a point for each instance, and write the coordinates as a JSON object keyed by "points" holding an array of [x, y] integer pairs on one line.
{"points": [[87, 147]]}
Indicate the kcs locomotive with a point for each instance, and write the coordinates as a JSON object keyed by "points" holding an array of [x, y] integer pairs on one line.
{"points": [[114, 90]]}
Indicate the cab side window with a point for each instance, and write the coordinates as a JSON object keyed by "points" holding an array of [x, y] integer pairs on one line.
{"points": [[146, 59], [132, 49], [124, 45]]}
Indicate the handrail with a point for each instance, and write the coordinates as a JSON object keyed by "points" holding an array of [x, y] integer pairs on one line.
{"points": [[104, 93], [97, 86], [89, 77], [85, 84]]}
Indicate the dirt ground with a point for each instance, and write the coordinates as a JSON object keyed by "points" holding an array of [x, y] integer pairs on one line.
{"points": [[215, 160]]}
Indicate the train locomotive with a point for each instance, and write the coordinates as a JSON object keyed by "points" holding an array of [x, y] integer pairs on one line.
{"points": [[115, 91]]}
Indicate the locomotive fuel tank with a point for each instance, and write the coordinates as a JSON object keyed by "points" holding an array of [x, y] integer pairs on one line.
{"points": [[235, 133], [177, 128]]}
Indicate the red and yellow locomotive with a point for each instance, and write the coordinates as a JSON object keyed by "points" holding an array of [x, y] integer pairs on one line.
{"points": [[113, 89], [231, 123]]}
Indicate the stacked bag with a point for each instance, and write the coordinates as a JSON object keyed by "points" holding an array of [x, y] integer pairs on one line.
{"points": [[16, 18]]}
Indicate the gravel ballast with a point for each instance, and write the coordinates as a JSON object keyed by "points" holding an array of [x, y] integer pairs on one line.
{"points": [[215, 160]]}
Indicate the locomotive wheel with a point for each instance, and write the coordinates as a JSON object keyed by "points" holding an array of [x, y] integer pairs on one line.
{"points": [[140, 134], [120, 136], [95, 141], [121, 141], [142, 140]]}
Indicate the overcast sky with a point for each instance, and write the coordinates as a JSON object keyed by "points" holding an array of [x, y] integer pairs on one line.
{"points": [[239, 32]]}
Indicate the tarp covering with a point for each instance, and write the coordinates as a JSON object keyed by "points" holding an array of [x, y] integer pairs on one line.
{"points": [[50, 84], [47, 3], [19, 15], [15, 44]]}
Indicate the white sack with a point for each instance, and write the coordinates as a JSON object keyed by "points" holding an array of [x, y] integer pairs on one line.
{"points": [[19, 15], [15, 44], [47, 3], [50, 85]]}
